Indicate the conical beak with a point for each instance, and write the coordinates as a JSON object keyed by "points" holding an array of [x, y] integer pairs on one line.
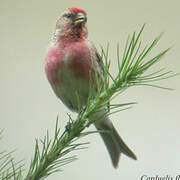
{"points": [[80, 19]]}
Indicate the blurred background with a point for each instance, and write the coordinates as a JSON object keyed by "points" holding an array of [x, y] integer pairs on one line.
{"points": [[28, 106]]}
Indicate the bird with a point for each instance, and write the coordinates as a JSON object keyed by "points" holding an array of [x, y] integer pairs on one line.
{"points": [[70, 60]]}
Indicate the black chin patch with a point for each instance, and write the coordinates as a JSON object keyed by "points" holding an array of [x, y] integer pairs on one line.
{"points": [[78, 26]]}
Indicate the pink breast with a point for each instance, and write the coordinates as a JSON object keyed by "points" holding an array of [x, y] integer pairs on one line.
{"points": [[53, 63], [75, 56], [80, 59]]}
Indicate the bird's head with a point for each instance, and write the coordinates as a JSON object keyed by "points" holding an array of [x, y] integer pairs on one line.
{"points": [[71, 25]]}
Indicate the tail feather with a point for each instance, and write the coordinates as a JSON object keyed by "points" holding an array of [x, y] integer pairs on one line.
{"points": [[114, 143]]}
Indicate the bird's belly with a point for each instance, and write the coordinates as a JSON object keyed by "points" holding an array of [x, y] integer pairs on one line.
{"points": [[72, 89]]}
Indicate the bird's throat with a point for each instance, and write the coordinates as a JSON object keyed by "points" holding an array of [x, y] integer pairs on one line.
{"points": [[70, 35]]}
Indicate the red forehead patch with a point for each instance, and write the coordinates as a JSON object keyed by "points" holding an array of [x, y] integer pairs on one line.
{"points": [[77, 9]]}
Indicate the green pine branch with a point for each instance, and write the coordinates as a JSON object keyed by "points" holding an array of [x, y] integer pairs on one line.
{"points": [[51, 154], [9, 168]]}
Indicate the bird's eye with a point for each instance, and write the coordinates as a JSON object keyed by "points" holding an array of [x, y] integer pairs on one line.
{"points": [[68, 15]]}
